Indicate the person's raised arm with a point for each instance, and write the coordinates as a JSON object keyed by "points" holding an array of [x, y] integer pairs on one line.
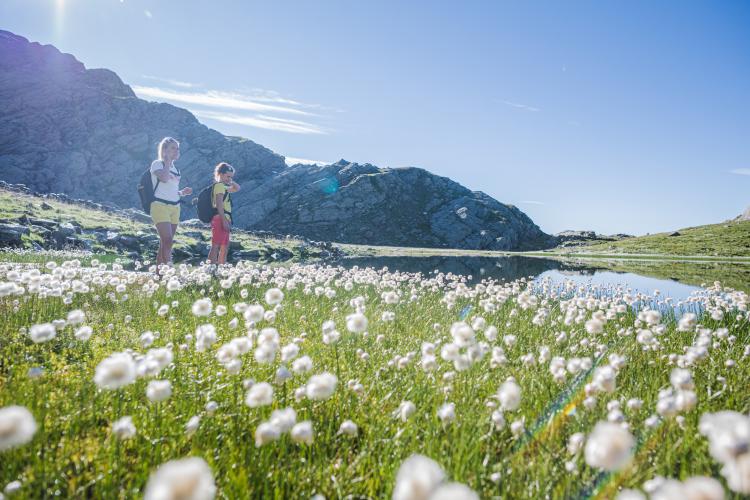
{"points": [[163, 173], [234, 187]]}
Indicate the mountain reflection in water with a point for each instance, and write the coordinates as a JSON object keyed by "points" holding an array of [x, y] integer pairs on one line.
{"points": [[479, 268]]}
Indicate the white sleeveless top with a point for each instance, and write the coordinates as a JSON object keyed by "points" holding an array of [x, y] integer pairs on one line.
{"points": [[166, 191]]}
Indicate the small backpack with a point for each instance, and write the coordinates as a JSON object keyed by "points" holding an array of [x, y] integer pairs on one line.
{"points": [[206, 209], [146, 190]]}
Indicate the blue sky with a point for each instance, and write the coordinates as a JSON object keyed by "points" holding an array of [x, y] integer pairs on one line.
{"points": [[613, 116]]}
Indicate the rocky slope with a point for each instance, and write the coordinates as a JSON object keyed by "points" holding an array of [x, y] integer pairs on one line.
{"points": [[51, 221], [744, 215], [83, 132], [579, 238]]}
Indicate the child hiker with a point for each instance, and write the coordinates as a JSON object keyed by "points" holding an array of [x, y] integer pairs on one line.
{"points": [[221, 223]]}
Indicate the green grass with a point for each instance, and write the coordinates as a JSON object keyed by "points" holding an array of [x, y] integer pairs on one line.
{"points": [[59, 256], [727, 239], [74, 454]]}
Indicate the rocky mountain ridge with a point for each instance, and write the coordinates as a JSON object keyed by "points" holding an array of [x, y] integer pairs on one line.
{"points": [[83, 132]]}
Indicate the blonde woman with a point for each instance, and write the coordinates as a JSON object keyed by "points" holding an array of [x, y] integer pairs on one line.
{"points": [[221, 223], [165, 209]]}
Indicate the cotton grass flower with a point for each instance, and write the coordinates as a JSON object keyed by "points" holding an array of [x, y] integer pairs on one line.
{"points": [[83, 333], [321, 387], [205, 337], [159, 390], [274, 296], [356, 323], [17, 427], [348, 428], [124, 428], [728, 434], [447, 413], [192, 425], [12, 487], [43, 332], [405, 410], [284, 419], [609, 447], [266, 433], [687, 322], [417, 478], [509, 395], [75, 317], [575, 443], [188, 478], [202, 307], [302, 432], [260, 394], [118, 370], [254, 313], [454, 491], [302, 365]]}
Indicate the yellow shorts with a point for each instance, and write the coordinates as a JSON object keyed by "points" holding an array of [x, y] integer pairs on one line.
{"points": [[164, 212]]}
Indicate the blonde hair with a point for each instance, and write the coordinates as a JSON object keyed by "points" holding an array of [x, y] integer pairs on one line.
{"points": [[222, 168], [163, 145]]}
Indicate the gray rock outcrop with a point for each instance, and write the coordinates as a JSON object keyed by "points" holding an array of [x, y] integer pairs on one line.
{"points": [[83, 132], [571, 238], [382, 206]]}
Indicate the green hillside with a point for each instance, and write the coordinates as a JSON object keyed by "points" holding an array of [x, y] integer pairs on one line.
{"points": [[727, 239]]}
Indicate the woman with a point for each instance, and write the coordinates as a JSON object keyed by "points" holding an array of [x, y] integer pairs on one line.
{"points": [[221, 223], [165, 209]]}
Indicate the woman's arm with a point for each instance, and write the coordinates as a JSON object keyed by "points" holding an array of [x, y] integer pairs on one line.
{"points": [[234, 187], [163, 173]]}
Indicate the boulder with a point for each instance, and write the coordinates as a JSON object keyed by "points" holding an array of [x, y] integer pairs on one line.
{"points": [[11, 235], [136, 215]]}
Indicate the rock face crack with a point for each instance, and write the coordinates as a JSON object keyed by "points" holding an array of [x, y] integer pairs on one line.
{"points": [[66, 128]]}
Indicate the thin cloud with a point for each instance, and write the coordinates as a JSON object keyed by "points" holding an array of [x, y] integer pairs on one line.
{"points": [[148, 14], [264, 122], [532, 202], [740, 171], [174, 83], [291, 160], [215, 99], [518, 105]]}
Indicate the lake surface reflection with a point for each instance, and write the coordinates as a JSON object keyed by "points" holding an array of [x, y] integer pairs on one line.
{"points": [[512, 268]]}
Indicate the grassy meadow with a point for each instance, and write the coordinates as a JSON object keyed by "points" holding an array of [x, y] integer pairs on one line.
{"points": [[421, 365], [726, 239]]}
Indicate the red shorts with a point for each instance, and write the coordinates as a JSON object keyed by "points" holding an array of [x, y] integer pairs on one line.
{"points": [[218, 235]]}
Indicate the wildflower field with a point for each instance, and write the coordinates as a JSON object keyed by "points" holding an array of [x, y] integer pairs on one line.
{"points": [[302, 381]]}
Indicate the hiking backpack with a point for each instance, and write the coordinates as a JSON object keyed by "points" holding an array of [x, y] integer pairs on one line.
{"points": [[146, 190], [206, 209]]}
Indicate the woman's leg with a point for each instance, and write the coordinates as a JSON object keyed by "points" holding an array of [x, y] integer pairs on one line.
{"points": [[223, 254], [168, 255], [213, 254], [165, 242]]}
